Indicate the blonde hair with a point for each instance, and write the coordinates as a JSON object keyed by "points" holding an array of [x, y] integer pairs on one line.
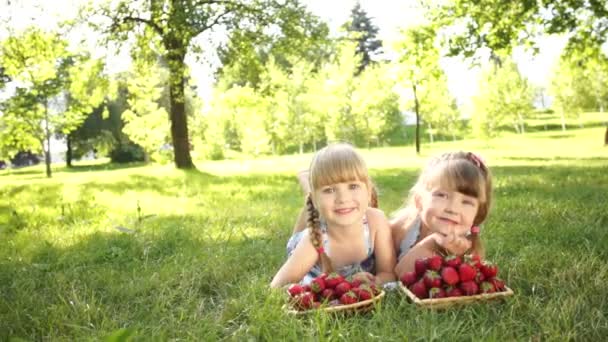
{"points": [[460, 171], [335, 163]]}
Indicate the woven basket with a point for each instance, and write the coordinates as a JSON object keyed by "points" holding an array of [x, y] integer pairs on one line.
{"points": [[439, 303], [359, 307]]}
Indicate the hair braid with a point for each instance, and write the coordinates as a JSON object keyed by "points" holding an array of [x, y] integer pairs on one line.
{"points": [[316, 236]]}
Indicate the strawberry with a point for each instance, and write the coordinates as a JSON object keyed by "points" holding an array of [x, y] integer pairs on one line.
{"points": [[469, 288], [453, 291], [450, 275], [489, 270], [452, 261], [419, 289], [436, 292], [342, 288], [348, 298], [328, 295], [365, 292], [333, 279], [432, 279], [295, 289], [466, 272], [479, 277], [434, 263], [356, 283], [420, 266], [408, 278], [323, 275], [306, 288], [317, 285], [498, 283], [486, 287], [305, 300], [473, 259]]}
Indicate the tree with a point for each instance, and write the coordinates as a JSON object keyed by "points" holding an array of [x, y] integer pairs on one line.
{"points": [[504, 97], [363, 32], [418, 66], [37, 61], [176, 25], [501, 25]]}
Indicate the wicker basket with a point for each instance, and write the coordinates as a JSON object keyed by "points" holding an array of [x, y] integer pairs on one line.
{"points": [[359, 307], [439, 303]]}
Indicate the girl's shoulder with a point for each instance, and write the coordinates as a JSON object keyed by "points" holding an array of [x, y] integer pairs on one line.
{"points": [[376, 219], [404, 219]]}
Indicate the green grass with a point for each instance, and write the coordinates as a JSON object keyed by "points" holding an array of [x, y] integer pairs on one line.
{"points": [[206, 243]]}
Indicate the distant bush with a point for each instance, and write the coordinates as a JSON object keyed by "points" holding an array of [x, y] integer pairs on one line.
{"points": [[126, 153]]}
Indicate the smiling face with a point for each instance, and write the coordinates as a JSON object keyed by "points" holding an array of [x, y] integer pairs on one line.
{"points": [[342, 204], [340, 184], [446, 211]]}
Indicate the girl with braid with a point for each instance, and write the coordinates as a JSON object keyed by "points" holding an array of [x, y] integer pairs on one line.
{"points": [[447, 204], [343, 232]]}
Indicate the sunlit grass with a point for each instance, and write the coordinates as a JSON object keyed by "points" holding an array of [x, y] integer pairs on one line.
{"points": [[188, 255]]}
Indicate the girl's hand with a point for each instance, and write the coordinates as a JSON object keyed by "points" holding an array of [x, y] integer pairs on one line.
{"points": [[365, 277], [453, 244]]}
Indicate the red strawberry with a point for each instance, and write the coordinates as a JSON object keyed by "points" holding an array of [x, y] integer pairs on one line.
{"points": [[432, 279], [452, 261], [306, 288], [419, 289], [328, 295], [420, 266], [434, 263], [304, 300], [317, 285], [453, 291], [479, 277], [486, 287], [356, 283], [450, 275], [348, 298], [436, 292], [333, 279], [295, 289], [473, 259], [365, 292], [466, 272], [342, 288], [408, 278], [469, 288], [498, 283], [489, 270], [323, 275]]}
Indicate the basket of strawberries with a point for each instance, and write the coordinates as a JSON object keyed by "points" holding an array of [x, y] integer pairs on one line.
{"points": [[439, 282], [334, 293]]}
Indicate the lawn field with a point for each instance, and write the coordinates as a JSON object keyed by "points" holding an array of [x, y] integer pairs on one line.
{"points": [[148, 252]]}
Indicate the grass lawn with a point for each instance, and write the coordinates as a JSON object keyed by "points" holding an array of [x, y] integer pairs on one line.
{"points": [[194, 251]]}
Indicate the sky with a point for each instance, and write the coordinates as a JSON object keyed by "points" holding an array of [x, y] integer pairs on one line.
{"points": [[389, 15]]}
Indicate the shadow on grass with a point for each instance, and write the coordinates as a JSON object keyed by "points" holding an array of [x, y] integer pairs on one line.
{"points": [[101, 167]]}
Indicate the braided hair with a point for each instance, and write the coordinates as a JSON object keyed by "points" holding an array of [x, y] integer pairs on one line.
{"points": [[335, 163]]}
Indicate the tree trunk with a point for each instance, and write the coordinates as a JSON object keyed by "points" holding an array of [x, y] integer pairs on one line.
{"points": [[606, 137], [563, 121], [431, 133], [68, 152], [47, 132], [417, 119], [179, 121]]}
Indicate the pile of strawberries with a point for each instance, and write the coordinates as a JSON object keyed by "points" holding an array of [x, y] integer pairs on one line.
{"points": [[332, 290], [452, 276]]}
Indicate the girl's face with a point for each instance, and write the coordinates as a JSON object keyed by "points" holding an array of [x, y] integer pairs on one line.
{"points": [[446, 211], [342, 204]]}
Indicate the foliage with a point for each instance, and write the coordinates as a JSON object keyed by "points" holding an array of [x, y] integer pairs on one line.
{"points": [[470, 25], [175, 26], [579, 83], [362, 30], [55, 90], [504, 97]]}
